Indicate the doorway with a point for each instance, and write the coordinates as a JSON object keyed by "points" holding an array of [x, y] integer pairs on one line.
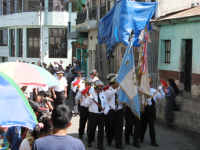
{"points": [[186, 64]]}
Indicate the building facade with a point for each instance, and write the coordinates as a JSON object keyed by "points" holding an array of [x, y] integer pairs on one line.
{"points": [[87, 22], [87, 25], [32, 30], [166, 7], [179, 48], [179, 55]]}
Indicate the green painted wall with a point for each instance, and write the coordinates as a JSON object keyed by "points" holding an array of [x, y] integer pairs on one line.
{"points": [[176, 33]]}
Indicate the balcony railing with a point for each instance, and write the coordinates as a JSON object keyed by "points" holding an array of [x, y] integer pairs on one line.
{"points": [[102, 11], [93, 13], [81, 17]]}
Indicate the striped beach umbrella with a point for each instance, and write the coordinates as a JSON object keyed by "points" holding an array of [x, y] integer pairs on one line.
{"points": [[25, 74]]}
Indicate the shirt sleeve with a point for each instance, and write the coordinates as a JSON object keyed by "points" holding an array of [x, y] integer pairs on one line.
{"points": [[65, 82], [159, 95], [78, 96], [105, 104]]}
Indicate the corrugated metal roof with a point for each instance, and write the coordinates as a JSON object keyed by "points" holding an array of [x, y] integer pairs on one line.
{"points": [[182, 14]]}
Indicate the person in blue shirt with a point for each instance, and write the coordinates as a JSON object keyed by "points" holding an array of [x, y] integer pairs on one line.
{"points": [[14, 137], [59, 140]]}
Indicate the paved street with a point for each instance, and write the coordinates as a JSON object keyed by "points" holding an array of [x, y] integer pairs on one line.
{"points": [[167, 139]]}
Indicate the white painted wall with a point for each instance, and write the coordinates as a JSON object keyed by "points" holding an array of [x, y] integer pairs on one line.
{"points": [[32, 19], [92, 42], [92, 47], [169, 6], [4, 51]]}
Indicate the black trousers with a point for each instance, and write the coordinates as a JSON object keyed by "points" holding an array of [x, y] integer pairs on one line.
{"points": [[83, 111], [114, 126], [60, 98], [95, 120], [148, 119], [131, 121]]}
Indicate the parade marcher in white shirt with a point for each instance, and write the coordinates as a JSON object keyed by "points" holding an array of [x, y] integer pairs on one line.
{"points": [[76, 85], [93, 77], [82, 99], [149, 114], [97, 110], [60, 91], [114, 118]]}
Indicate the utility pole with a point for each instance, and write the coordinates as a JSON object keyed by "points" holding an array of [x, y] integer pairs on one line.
{"points": [[70, 16], [41, 33]]}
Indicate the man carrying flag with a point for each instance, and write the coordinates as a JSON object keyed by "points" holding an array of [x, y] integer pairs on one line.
{"points": [[129, 90], [128, 82]]}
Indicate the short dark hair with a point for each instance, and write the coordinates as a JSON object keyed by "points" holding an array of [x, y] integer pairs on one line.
{"points": [[61, 116]]}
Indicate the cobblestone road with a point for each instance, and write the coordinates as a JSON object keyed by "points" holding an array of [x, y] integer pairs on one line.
{"points": [[168, 139]]}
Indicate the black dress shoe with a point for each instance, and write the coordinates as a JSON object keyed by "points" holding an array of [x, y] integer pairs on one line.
{"points": [[100, 148], [118, 147], [141, 140], [89, 145], [109, 142], [137, 145], [154, 145], [127, 142]]}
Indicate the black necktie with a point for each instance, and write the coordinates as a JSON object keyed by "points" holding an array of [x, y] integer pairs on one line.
{"points": [[99, 102], [116, 102]]}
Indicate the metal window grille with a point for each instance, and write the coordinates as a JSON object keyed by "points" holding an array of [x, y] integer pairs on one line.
{"points": [[20, 42], [33, 43], [167, 51], [58, 43], [12, 43]]}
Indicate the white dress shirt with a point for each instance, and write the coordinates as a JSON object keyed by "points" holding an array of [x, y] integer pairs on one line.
{"points": [[93, 106], [62, 85], [110, 97], [84, 100], [93, 79]]}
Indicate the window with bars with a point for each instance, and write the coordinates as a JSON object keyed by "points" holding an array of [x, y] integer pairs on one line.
{"points": [[12, 6], [5, 4], [3, 37], [33, 43], [19, 6], [20, 42], [12, 42], [165, 51], [58, 43]]}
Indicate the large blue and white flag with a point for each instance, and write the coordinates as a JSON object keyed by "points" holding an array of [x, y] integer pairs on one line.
{"points": [[128, 83], [126, 16]]}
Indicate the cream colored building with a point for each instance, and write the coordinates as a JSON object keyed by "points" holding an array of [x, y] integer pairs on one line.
{"points": [[31, 32]]}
